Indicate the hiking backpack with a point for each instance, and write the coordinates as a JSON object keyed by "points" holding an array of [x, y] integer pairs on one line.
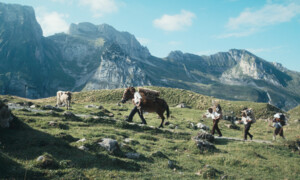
{"points": [[250, 113], [283, 119]]}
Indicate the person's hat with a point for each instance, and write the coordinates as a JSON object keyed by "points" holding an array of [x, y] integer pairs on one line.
{"points": [[277, 116]]}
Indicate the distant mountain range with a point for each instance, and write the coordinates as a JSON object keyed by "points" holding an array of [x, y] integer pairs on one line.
{"points": [[100, 57]]}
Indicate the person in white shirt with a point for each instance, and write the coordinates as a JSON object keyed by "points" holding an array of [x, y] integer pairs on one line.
{"points": [[216, 118], [137, 101], [247, 121]]}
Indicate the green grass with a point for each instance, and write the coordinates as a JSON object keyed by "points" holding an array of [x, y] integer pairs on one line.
{"points": [[294, 113], [31, 137]]}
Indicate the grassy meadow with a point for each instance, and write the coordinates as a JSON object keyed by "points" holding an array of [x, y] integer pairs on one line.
{"points": [[31, 136]]}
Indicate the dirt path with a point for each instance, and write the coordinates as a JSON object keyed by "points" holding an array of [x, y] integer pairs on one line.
{"points": [[239, 139]]}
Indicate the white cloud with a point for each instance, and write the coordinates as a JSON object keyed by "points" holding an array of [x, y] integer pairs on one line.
{"points": [[251, 21], [143, 41], [238, 34], [268, 15], [100, 7], [51, 22], [175, 22]]}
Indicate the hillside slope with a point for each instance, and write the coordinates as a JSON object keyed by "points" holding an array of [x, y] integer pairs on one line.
{"points": [[144, 152], [294, 114]]}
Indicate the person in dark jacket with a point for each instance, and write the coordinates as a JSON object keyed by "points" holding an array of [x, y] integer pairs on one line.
{"points": [[278, 123]]}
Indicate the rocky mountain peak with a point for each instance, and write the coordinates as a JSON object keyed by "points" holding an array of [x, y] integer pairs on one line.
{"points": [[175, 55], [238, 54], [83, 29], [19, 21], [125, 40]]}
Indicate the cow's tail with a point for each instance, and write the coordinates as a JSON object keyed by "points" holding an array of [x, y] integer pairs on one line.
{"points": [[167, 109]]}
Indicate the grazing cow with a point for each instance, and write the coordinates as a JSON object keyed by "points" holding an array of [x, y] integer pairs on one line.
{"points": [[63, 97]]}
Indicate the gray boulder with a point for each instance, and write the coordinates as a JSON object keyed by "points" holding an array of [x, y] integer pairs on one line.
{"points": [[91, 106], [205, 145], [181, 105], [132, 155], [204, 136], [52, 123], [6, 116], [171, 164], [110, 145], [83, 148], [192, 126], [71, 116], [46, 161], [202, 126]]}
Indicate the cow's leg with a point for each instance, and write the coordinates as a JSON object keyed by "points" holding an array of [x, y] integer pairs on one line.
{"points": [[57, 101], [161, 115]]}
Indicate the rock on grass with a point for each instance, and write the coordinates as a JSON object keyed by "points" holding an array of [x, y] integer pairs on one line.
{"points": [[111, 146], [46, 161], [208, 172], [5, 115], [204, 136]]}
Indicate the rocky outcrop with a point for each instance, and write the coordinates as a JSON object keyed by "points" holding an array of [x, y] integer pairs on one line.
{"points": [[250, 67], [110, 145], [27, 60], [125, 40], [6, 116], [117, 70]]}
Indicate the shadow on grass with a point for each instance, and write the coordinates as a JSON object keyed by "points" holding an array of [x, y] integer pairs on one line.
{"points": [[26, 144], [154, 131], [10, 169], [222, 141]]}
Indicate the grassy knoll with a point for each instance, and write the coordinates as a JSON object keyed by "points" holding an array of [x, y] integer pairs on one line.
{"points": [[32, 136]]}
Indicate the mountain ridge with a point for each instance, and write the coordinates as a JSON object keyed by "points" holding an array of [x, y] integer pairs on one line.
{"points": [[100, 57]]}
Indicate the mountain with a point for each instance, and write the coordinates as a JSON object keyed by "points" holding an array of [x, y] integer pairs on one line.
{"points": [[27, 59], [91, 57], [100, 57], [238, 75]]}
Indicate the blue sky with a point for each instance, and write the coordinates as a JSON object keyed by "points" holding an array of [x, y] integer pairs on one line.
{"points": [[268, 28]]}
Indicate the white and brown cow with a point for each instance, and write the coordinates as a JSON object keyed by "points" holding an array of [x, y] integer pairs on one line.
{"points": [[63, 98]]}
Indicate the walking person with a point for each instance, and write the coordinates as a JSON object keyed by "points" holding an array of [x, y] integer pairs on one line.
{"points": [[278, 122], [247, 121], [137, 101], [216, 116]]}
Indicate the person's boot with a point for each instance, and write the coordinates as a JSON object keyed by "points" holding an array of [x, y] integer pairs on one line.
{"points": [[128, 120], [251, 137]]}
